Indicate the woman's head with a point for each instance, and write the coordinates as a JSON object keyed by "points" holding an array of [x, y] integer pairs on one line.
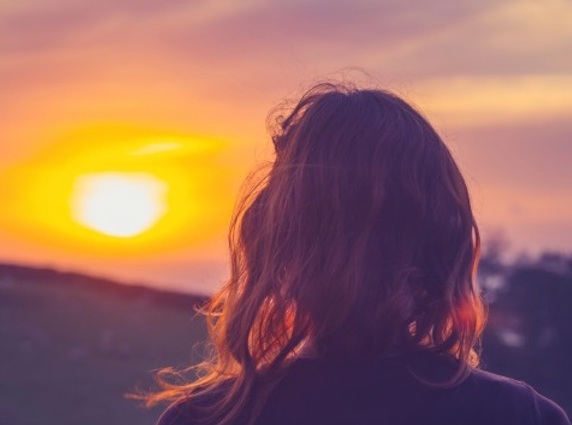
{"points": [[359, 239]]}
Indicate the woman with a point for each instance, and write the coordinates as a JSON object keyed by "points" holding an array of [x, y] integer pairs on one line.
{"points": [[352, 297]]}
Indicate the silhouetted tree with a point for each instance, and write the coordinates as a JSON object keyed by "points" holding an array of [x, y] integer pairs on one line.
{"points": [[529, 336]]}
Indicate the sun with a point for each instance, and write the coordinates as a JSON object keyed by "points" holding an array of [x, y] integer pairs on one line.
{"points": [[119, 204]]}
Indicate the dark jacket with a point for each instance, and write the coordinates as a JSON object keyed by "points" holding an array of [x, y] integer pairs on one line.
{"points": [[336, 391]]}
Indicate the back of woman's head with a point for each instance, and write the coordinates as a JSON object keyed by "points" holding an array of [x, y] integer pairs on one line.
{"points": [[362, 234], [358, 241]]}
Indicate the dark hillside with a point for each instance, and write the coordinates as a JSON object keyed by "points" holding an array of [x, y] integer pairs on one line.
{"points": [[72, 346]]}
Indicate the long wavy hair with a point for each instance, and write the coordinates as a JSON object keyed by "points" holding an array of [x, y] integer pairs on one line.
{"points": [[358, 240]]}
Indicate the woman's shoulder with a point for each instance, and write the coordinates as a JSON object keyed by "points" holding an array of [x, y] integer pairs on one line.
{"points": [[190, 408], [185, 411], [517, 397], [178, 413], [492, 398]]}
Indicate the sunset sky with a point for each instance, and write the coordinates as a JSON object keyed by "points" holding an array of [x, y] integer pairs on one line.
{"points": [[158, 109]]}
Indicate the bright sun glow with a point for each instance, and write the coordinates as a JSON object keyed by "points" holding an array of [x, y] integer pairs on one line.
{"points": [[119, 204]]}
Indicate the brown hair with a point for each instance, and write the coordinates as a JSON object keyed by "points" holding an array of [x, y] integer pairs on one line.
{"points": [[359, 240]]}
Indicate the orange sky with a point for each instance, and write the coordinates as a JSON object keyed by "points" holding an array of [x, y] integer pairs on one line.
{"points": [[180, 90]]}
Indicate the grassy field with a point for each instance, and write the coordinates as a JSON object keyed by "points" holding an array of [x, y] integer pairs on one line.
{"points": [[72, 347]]}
